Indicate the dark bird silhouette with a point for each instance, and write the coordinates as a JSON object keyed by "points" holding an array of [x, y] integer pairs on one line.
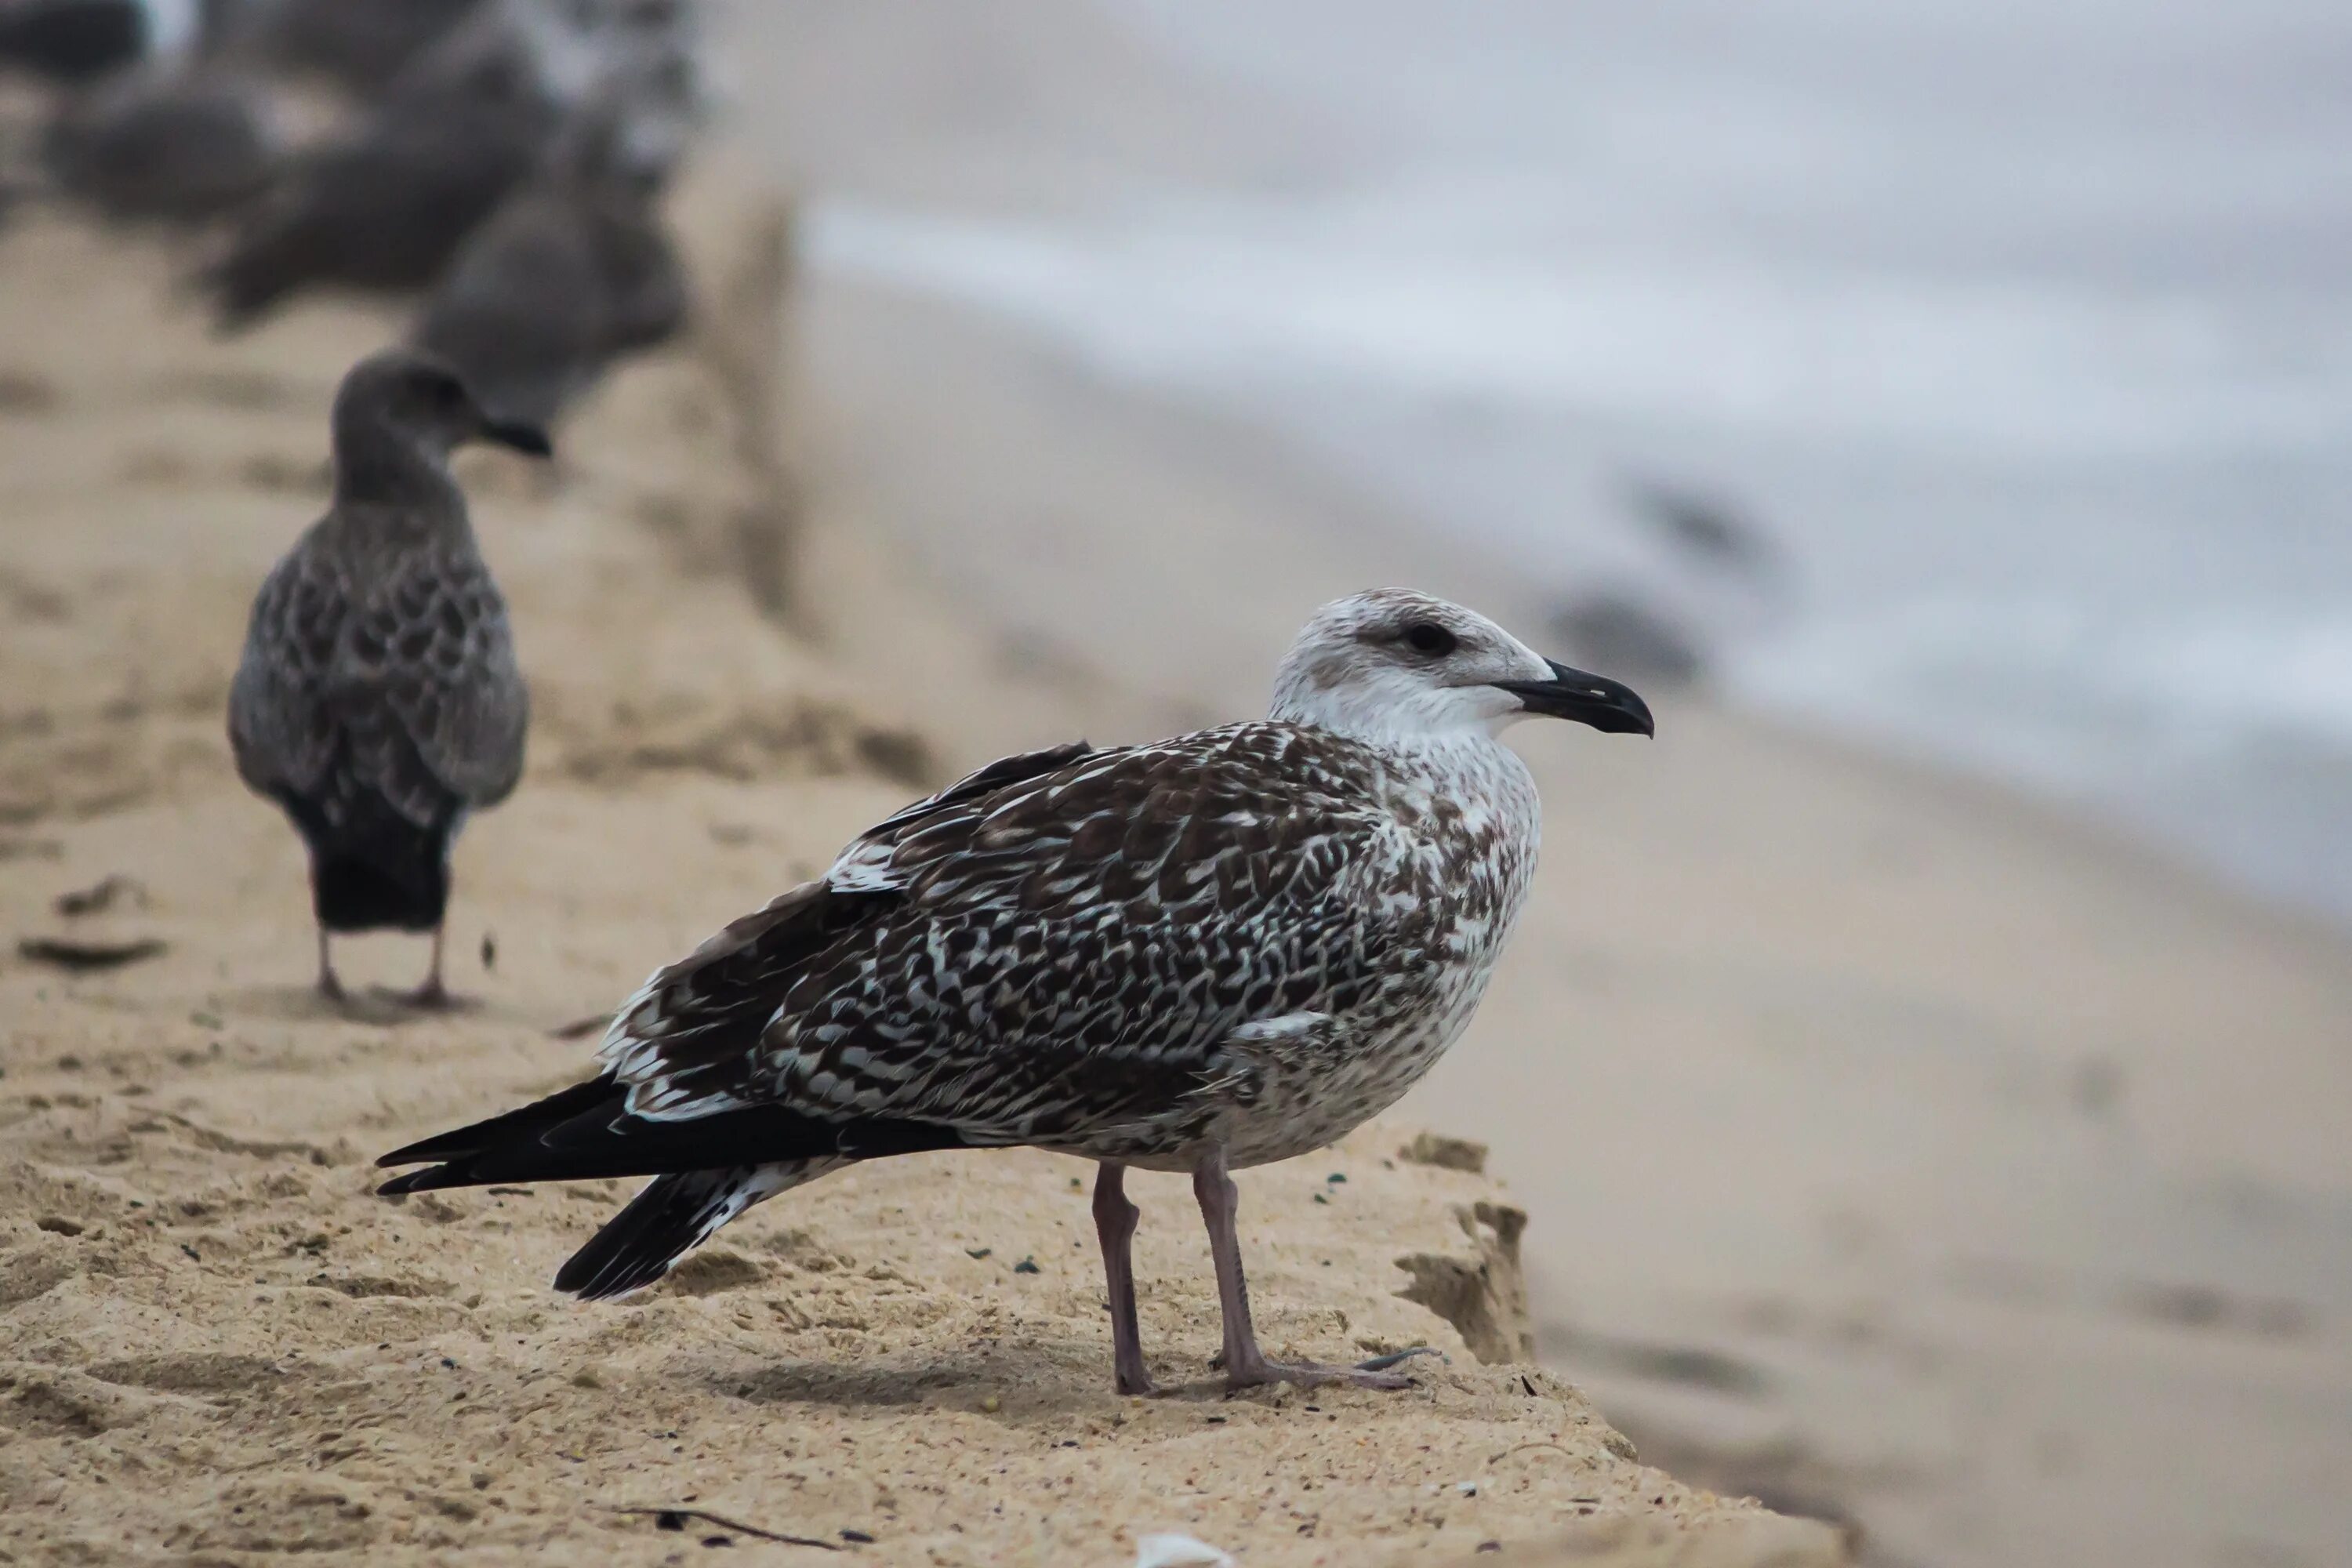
{"points": [[574, 272], [386, 206], [1707, 528], [363, 45], [378, 700], [171, 145], [81, 40]]}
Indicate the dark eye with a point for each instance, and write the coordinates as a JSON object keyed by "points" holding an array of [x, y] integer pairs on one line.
{"points": [[1428, 637], [445, 391]]}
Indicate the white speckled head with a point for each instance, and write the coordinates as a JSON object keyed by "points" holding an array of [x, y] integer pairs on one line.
{"points": [[1396, 664]]}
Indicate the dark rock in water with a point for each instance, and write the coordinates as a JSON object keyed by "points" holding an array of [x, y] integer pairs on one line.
{"points": [[1706, 527], [180, 148], [1610, 630]]}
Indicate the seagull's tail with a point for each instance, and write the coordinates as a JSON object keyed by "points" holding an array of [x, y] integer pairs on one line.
{"points": [[673, 1216], [708, 1169]]}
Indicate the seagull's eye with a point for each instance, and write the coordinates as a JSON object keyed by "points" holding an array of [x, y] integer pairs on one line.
{"points": [[1428, 637]]}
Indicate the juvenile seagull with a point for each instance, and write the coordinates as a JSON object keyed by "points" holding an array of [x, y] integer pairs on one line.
{"points": [[378, 700], [574, 272], [76, 41], [1218, 950], [176, 145]]}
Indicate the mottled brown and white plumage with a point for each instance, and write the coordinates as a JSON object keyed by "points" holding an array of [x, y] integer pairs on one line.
{"points": [[1217, 951], [378, 700]]}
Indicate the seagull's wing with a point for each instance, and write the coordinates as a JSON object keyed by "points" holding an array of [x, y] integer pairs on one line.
{"points": [[428, 687], [1062, 943], [279, 725]]}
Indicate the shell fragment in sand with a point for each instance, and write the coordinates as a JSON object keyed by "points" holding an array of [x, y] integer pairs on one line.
{"points": [[1179, 1552]]}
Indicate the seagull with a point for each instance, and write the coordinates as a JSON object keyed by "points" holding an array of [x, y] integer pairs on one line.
{"points": [[571, 273], [363, 45], [75, 41], [378, 701], [176, 145], [1203, 954], [384, 206]]}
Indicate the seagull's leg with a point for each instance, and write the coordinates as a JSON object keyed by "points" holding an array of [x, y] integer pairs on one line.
{"points": [[432, 993], [330, 986], [1245, 1364], [1115, 1226]]}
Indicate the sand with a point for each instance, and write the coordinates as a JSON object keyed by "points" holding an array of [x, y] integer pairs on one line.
{"points": [[218, 1345]]}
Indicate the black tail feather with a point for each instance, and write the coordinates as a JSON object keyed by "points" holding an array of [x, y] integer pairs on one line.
{"points": [[599, 1137], [535, 1118], [370, 866], [674, 1214]]}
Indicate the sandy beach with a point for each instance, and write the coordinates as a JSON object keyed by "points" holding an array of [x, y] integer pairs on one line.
{"points": [[218, 1345], [1892, 1149]]}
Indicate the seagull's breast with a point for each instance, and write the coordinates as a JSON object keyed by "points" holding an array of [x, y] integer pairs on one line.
{"points": [[1442, 897]]}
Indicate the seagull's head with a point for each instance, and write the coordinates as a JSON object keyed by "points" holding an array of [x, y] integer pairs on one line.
{"points": [[423, 404], [1393, 663]]}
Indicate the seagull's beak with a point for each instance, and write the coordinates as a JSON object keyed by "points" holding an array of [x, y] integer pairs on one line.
{"points": [[1593, 700], [523, 437]]}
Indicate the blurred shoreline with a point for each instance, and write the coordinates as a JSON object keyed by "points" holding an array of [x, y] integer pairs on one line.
{"points": [[2048, 462]]}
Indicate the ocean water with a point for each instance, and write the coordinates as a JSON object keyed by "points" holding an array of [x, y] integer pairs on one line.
{"points": [[2022, 332]]}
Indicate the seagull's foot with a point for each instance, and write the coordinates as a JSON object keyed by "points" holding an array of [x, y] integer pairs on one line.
{"points": [[332, 988], [1137, 1385], [433, 997], [1257, 1372]]}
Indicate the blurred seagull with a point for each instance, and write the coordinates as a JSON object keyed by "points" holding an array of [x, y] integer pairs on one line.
{"points": [[180, 146], [385, 205], [1211, 953], [574, 271], [378, 700], [81, 40], [364, 44]]}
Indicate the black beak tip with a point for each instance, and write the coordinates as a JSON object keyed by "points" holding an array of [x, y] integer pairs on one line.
{"points": [[1608, 706], [1631, 718], [527, 439]]}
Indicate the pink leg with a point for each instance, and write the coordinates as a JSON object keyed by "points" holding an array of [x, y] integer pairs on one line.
{"points": [[1245, 1364], [1115, 1226], [330, 986], [432, 993]]}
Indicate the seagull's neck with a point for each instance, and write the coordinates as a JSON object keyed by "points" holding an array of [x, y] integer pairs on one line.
{"points": [[1464, 764], [378, 465], [1405, 732]]}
